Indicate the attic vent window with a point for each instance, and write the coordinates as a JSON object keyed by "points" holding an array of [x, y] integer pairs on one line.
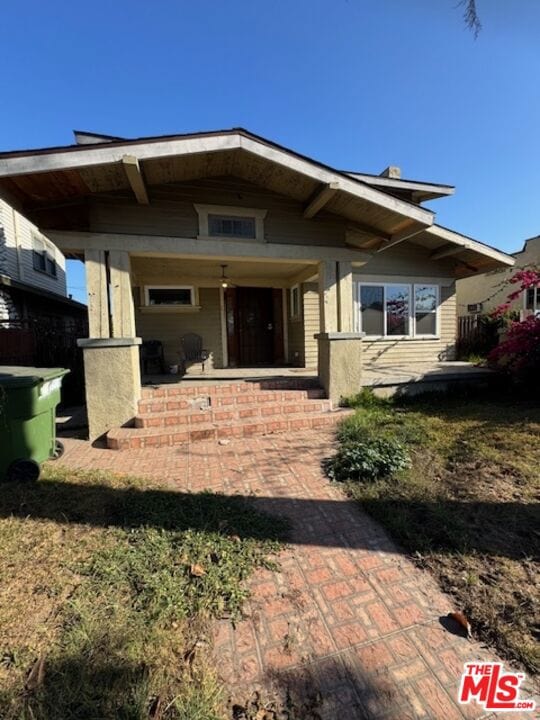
{"points": [[231, 223], [231, 226]]}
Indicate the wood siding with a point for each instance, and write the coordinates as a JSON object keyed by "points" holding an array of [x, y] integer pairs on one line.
{"points": [[169, 327], [311, 323], [172, 213], [16, 245]]}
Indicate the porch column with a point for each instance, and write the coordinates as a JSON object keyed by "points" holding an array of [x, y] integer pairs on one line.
{"points": [[111, 353], [339, 348]]}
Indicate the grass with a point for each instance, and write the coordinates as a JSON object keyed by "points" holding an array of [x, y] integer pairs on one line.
{"points": [[107, 591], [467, 509]]}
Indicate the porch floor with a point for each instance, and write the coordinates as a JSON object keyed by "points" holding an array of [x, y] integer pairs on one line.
{"points": [[375, 374]]}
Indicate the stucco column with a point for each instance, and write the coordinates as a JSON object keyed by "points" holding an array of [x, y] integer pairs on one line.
{"points": [[111, 353], [340, 364]]}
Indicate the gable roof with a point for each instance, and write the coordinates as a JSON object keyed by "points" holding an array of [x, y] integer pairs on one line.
{"points": [[103, 164]]}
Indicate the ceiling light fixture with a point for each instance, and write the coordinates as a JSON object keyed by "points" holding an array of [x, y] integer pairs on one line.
{"points": [[224, 278]]}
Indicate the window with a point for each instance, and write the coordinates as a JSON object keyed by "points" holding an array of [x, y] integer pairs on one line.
{"points": [[234, 223], [475, 308], [532, 299], [169, 295], [230, 226], [397, 302], [295, 301], [398, 311], [425, 309], [42, 260]]}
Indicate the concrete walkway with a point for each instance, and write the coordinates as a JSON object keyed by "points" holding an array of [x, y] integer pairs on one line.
{"points": [[348, 628]]}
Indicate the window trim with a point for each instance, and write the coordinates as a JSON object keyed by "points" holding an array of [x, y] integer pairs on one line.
{"points": [[535, 308], [203, 211], [411, 315], [298, 314], [194, 295], [48, 256]]}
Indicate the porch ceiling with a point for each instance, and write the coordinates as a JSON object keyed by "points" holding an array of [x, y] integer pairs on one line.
{"points": [[164, 270]]}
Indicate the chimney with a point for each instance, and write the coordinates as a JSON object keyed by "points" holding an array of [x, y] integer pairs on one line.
{"points": [[392, 171]]}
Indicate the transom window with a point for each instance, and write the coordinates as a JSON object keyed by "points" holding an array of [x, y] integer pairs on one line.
{"points": [[231, 226], [394, 310], [169, 295], [42, 260]]}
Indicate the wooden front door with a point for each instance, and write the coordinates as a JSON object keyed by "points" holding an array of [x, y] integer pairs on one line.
{"points": [[254, 326]]}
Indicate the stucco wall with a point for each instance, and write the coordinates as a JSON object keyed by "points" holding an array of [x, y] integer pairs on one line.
{"points": [[491, 289]]}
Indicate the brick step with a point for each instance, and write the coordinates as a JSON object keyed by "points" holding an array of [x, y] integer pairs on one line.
{"points": [[130, 438], [184, 388], [179, 402], [195, 416]]}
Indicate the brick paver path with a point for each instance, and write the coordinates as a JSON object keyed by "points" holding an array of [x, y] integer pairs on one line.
{"points": [[349, 627]]}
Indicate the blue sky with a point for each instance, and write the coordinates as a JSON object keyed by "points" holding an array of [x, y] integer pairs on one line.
{"points": [[357, 84]]}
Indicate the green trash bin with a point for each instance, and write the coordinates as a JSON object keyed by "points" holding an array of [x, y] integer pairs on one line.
{"points": [[28, 400]]}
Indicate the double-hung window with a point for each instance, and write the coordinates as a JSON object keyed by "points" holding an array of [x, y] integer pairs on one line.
{"points": [[532, 300], [42, 260], [395, 310]]}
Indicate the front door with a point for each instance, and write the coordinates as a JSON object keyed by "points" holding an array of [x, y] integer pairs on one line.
{"points": [[254, 326]]}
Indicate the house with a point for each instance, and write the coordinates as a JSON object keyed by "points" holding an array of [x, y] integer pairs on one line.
{"points": [[271, 257], [481, 294]]}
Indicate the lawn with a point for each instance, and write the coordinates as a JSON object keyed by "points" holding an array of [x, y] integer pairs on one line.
{"points": [[467, 507], [108, 587]]}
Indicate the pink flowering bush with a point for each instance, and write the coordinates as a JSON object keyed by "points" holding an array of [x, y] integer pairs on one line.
{"points": [[519, 353]]}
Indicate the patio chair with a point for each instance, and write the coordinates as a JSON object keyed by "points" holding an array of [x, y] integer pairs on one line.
{"points": [[192, 350], [152, 352]]}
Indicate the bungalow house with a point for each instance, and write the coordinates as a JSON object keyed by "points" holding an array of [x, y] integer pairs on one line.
{"points": [[273, 258]]}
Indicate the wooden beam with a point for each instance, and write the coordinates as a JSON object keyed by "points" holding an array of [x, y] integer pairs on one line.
{"points": [[320, 198], [446, 251], [135, 178], [401, 236], [303, 276]]}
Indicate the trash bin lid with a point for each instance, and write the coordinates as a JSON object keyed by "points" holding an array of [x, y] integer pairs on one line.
{"points": [[18, 376]]}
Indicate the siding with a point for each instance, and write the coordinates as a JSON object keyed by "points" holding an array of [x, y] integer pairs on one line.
{"points": [[169, 327], [311, 323], [172, 213], [17, 260]]}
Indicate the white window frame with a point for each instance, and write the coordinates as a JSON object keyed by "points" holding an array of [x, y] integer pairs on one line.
{"points": [[193, 294], [298, 314], [48, 255], [203, 211], [535, 310], [412, 310], [436, 313]]}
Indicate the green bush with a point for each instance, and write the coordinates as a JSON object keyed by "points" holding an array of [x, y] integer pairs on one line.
{"points": [[368, 459]]}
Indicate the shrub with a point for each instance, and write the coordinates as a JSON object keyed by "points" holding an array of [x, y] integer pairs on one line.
{"points": [[368, 459]]}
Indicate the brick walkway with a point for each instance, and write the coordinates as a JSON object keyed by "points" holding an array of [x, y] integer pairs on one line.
{"points": [[349, 628]]}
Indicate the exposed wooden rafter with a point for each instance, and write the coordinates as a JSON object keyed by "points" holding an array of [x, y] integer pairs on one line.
{"points": [[409, 231], [320, 198], [135, 178], [447, 251]]}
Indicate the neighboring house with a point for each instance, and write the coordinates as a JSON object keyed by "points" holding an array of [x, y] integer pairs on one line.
{"points": [[32, 272], [481, 294], [272, 257]]}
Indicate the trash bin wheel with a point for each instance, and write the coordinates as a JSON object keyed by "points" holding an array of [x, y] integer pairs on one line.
{"points": [[23, 471], [58, 450]]}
